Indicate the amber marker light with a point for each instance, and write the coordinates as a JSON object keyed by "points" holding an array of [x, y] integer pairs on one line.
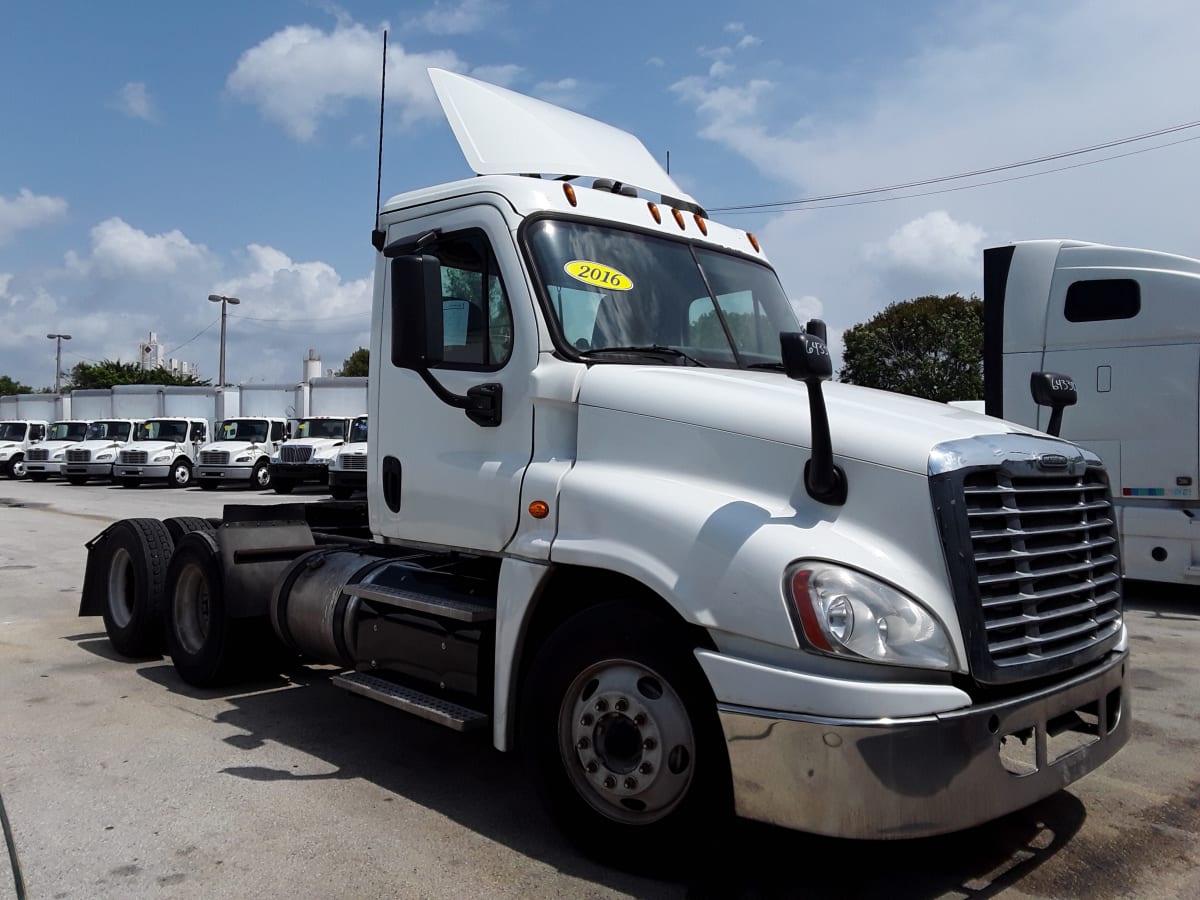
{"points": [[539, 509], [678, 218], [570, 192], [654, 211], [701, 224], [754, 242]]}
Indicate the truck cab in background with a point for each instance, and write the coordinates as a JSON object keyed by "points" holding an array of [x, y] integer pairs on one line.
{"points": [[163, 450], [1124, 324], [49, 457], [240, 453], [95, 455], [306, 455], [348, 470], [16, 439]]}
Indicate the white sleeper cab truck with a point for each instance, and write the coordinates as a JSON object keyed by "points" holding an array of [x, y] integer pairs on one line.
{"points": [[96, 454], [618, 520], [306, 455], [1123, 325], [241, 453], [348, 470], [16, 440], [163, 451], [49, 457]]}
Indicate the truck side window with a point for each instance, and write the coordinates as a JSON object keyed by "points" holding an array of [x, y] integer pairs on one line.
{"points": [[1103, 299], [476, 319], [277, 433]]}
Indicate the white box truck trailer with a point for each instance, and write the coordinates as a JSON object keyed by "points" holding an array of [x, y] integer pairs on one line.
{"points": [[608, 526], [1122, 323]]}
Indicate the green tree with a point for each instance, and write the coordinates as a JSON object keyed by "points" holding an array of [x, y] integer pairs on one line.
{"points": [[929, 347], [357, 363], [8, 386], [109, 372]]}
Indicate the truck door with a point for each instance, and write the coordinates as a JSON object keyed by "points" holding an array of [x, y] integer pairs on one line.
{"points": [[451, 481]]}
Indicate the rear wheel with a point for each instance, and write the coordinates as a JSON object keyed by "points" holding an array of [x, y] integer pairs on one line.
{"points": [[136, 552], [178, 526], [200, 635], [341, 492], [260, 478], [620, 732], [180, 474]]}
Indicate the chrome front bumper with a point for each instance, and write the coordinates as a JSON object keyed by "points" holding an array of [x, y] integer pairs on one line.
{"points": [[912, 777], [47, 468], [355, 478], [224, 473], [91, 470], [158, 470]]}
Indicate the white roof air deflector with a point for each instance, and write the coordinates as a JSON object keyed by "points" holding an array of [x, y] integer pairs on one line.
{"points": [[502, 132]]}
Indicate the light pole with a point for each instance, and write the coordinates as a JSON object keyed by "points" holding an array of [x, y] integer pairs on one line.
{"points": [[58, 359], [224, 301]]}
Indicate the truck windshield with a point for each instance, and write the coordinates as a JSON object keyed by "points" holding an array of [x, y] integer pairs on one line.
{"points": [[321, 428], [113, 431], [625, 296], [12, 431], [68, 431], [358, 431], [253, 430], [163, 430]]}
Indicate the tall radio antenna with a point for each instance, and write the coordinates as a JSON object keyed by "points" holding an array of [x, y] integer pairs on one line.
{"points": [[377, 236]]}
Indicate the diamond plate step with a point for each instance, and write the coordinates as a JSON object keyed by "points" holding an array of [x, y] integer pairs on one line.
{"points": [[461, 610], [435, 709]]}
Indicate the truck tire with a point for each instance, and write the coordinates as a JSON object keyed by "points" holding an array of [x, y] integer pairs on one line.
{"points": [[619, 731], [136, 554], [38, 476], [180, 475], [129, 482], [77, 479], [208, 484], [201, 637], [341, 492], [16, 468], [283, 485], [260, 477], [178, 526]]}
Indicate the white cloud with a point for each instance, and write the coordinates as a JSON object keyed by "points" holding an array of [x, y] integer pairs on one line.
{"points": [[463, 17], [134, 100], [5, 278], [119, 250], [501, 75], [301, 75], [935, 244], [568, 92], [735, 27], [657, 61], [720, 69], [28, 210], [748, 40]]}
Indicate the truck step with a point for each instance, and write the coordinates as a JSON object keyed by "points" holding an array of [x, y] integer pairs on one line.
{"points": [[419, 601], [427, 706]]}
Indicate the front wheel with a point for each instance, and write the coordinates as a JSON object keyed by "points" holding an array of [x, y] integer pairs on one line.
{"points": [[180, 475], [77, 479], [260, 478], [38, 477], [283, 485], [619, 729], [208, 484], [16, 468], [129, 482], [341, 492]]}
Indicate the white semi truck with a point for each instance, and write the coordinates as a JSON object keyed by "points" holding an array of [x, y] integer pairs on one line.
{"points": [[241, 453], [1122, 323], [679, 593], [50, 456], [95, 455], [163, 451], [306, 455], [348, 471], [16, 440]]}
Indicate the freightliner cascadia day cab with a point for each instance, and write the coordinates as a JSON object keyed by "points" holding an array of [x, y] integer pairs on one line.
{"points": [[241, 453], [16, 439], [163, 450], [1123, 324], [348, 470], [49, 457], [617, 521]]}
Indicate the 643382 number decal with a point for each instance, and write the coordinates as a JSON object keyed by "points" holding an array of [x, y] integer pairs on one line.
{"points": [[598, 274]]}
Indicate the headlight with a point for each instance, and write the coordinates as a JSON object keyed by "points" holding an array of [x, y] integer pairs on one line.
{"points": [[101, 457], [59, 454], [162, 457], [5, 454], [245, 459], [847, 613], [275, 459]]}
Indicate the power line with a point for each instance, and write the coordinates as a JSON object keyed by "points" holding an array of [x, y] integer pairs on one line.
{"points": [[359, 315], [194, 336], [1172, 129]]}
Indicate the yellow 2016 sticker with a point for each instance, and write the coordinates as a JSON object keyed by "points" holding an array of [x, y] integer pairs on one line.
{"points": [[598, 274]]}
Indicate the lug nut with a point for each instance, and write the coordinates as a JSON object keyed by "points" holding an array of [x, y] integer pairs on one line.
{"points": [[645, 768], [584, 743], [630, 784], [601, 706], [587, 720], [649, 744], [639, 719], [591, 767], [622, 705], [610, 782]]}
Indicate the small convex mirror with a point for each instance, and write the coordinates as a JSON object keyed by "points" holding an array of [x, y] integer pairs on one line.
{"points": [[1052, 389], [805, 357]]}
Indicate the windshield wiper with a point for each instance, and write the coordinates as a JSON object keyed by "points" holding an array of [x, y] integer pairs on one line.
{"points": [[774, 367], [651, 348]]}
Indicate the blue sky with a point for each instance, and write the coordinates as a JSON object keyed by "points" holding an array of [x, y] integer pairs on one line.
{"points": [[151, 154]]}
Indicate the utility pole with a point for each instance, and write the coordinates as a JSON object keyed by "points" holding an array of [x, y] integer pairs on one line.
{"points": [[224, 301], [58, 359]]}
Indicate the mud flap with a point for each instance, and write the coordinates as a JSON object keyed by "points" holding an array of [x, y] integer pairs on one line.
{"points": [[91, 602]]}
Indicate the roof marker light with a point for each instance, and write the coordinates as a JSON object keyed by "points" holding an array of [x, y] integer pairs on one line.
{"points": [[754, 242], [679, 219], [654, 211], [570, 192], [701, 224]]}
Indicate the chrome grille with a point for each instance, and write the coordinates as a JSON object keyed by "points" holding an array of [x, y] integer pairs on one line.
{"points": [[135, 457], [298, 454], [38, 456], [214, 457], [354, 461], [78, 456]]}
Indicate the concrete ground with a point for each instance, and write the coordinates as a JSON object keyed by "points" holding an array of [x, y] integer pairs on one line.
{"points": [[121, 781]]}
